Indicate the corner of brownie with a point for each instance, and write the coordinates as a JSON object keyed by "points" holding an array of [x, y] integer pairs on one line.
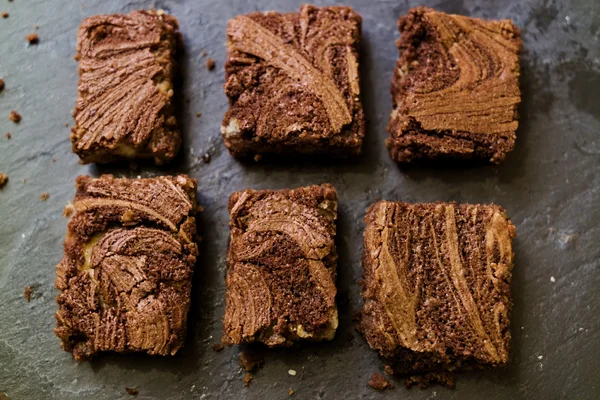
{"points": [[281, 266], [124, 106], [129, 254], [455, 88], [437, 285], [293, 84]]}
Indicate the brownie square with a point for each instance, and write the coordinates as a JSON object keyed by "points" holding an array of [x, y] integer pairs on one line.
{"points": [[437, 285], [455, 88], [293, 83], [126, 274], [125, 106], [281, 266]]}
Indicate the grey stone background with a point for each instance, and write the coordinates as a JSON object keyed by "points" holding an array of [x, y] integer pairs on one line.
{"points": [[550, 186]]}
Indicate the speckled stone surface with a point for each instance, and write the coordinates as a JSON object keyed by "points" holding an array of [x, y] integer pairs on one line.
{"points": [[550, 186]]}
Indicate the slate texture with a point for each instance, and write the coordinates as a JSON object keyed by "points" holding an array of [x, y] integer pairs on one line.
{"points": [[550, 186]]}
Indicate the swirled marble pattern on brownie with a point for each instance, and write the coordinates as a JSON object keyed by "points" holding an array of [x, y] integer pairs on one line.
{"points": [[124, 108], [281, 266]]}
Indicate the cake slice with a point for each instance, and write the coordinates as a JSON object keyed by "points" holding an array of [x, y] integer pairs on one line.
{"points": [[126, 275], [437, 285], [455, 88], [124, 105], [281, 266], [293, 84]]}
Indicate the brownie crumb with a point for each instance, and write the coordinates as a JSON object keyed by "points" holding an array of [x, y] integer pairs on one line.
{"points": [[217, 347], [203, 54], [250, 361], [388, 370], [27, 293], [198, 114], [380, 382], [206, 158], [291, 392], [32, 38], [199, 208], [257, 157], [8, 135], [36, 27], [1, 84], [131, 391], [66, 124], [210, 64], [68, 210], [44, 196], [14, 117], [3, 179], [445, 379], [24, 180], [4, 14], [247, 379], [54, 160]]}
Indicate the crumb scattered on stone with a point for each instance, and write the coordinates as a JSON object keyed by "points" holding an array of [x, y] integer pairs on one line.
{"points": [[198, 114], [44, 196], [210, 64], [8, 135], [24, 180], [552, 279], [291, 392], [68, 210], [33, 38], [199, 208], [4, 14], [292, 372], [218, 347], [14, 117], [1, 84], [54, 160], [247, 379], [257, 157], [131, 391], [380, 382], [249, 361], [27, 293], [66, 124], [388, 370], [203, 54], [36, 27], [425, 380], [206, 158], [3, 179]]}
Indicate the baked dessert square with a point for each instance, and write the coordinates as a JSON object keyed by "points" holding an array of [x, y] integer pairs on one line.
{"points": [[281, 266], [437, 285], [455, 88], [126, 275], [293, 84], [125, 96]]}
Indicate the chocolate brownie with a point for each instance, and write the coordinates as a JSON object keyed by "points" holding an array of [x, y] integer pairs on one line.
{"points": [[292, 82], [125, 277], [455, 88], [281, 266], [437, 285], [125, 107]]}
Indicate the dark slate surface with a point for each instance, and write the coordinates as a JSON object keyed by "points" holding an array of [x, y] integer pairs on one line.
{"points": [[550, 186]]}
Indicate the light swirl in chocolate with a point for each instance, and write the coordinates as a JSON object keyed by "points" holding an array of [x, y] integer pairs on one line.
{"points": [[455, 88], [125, 279], [281, 266], [124, 108], [437, 282]]}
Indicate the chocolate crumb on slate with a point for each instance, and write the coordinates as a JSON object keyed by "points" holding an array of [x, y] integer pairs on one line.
{"points": [[66, 124], [1, 84], [36, 27], [380, 382], [250, 361], [54, 160], [291, 392], [68, 210], [388, 370], [206, 158], [198, 114], [210, 64], [27, 293], [3, 179], [33, 38], [257, 157], [203, 54], [8, 135], [14, 117], [217, 347], [4, 14], [131, 391], [24, 180], [44, 196], [423, 381], [199, 208], [247, 379]]}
